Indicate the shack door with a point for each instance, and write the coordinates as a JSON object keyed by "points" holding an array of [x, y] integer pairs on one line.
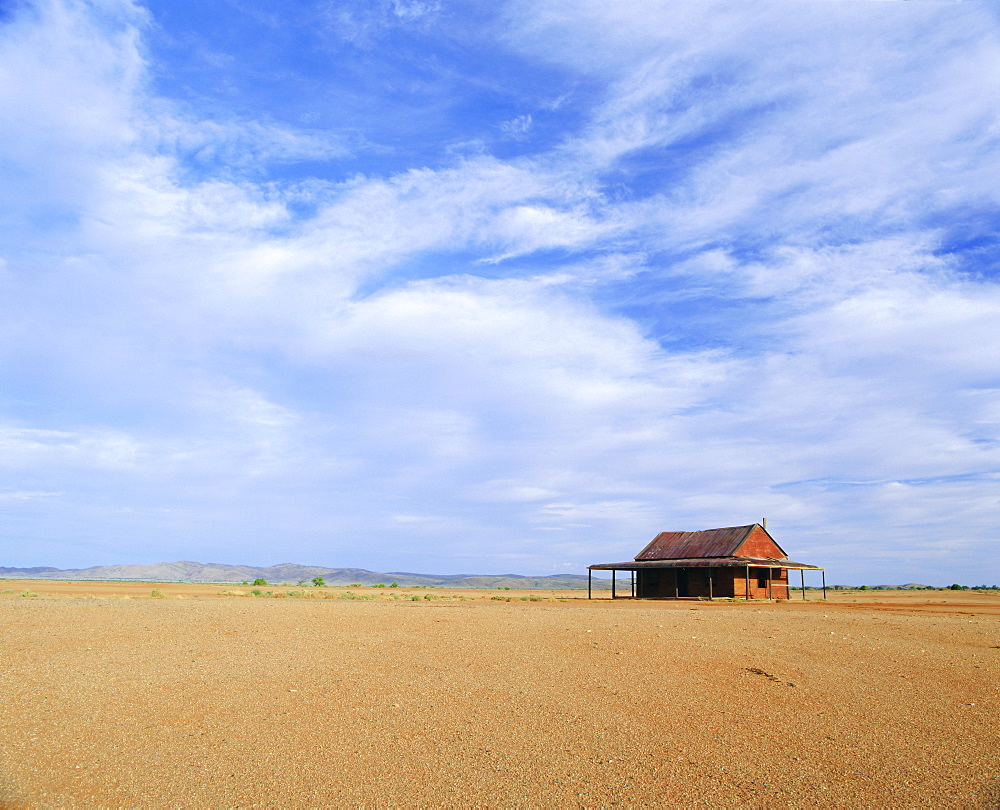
{"points": [[682, 581]]}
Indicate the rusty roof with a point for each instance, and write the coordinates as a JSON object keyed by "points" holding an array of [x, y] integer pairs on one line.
{"points": [[705, 562], [695, 545]]}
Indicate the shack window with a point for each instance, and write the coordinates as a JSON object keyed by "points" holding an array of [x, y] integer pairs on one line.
{"points": [[761, 577]]}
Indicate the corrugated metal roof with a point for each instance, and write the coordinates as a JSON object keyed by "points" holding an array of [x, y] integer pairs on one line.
{"points": [[705, 562], [696, 545]]}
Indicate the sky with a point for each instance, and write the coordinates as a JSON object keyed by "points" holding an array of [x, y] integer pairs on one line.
{"points": [[458, 287]]}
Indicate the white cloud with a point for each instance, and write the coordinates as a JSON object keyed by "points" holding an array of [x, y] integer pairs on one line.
{"points": [[509, 491], [22, 448], [364, 24], [517, 127], [27, 495], [414, 10]]}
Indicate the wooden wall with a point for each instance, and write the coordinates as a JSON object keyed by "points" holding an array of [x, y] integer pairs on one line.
{"points": [[653, 583]]}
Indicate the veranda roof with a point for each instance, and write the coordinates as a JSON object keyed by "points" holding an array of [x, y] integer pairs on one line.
{"points": [[704, 562]]}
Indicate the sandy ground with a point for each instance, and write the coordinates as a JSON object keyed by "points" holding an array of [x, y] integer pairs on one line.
{"points": [[111, 697]]}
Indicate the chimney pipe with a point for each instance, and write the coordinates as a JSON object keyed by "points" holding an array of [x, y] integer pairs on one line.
{"points": [[763, 524]]}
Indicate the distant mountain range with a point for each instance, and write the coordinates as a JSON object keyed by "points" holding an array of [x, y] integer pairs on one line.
{"points": [[288, 572]]}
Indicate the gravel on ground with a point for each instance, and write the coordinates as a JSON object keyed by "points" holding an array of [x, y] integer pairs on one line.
{"points": [[118, 698]]}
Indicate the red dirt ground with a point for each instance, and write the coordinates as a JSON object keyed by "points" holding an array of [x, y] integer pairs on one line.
{"points": [[113, 698]]}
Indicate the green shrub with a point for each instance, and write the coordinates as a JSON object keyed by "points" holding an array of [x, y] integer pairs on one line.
{"points": [[379, 585], [394, 585], [157, 593], [260, 581], [256, 592], [318, 582]]}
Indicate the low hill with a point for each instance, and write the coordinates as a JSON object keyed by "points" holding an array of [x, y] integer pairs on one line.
{"points": [[185, 571]]}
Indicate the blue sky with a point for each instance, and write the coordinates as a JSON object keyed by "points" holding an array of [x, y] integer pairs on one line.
{"points": [[509, 287]]}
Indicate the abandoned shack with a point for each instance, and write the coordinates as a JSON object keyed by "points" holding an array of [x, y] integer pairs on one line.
{"points": [[737, 562]]}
